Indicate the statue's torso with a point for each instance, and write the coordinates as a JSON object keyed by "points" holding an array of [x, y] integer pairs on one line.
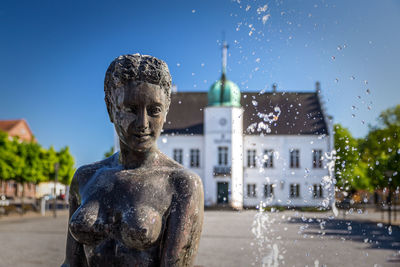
{"points": [[122, 216]]}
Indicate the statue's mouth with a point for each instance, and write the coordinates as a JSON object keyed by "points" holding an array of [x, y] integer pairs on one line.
{"points": [[143, 137]]}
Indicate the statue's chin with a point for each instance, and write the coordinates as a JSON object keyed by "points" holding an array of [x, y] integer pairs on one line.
{"points": [[140, 145]]}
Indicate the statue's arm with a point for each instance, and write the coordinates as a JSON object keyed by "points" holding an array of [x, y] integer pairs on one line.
{"points": [[75, 255], [184, 224]]}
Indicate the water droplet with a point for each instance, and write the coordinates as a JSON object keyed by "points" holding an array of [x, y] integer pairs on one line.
{"points": [[352, 77], [339, 47], [178, 64], [367, 91], [336, 80], [164, 140], [390, 230], [379, 225], [255, 103], [333, 57], [265, 18], [193, 10]]}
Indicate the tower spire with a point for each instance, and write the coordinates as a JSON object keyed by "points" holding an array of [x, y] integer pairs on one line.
{"points": [[224, 60], [224, 56]]}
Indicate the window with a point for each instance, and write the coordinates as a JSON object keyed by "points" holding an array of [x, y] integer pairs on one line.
{"points": [[317, 158], [294, 190], [268, 190], [178, 155], [294, 158], [268, 158], [251, 158], [195, 158], [251, 190], [317, 191], [222, 156]]}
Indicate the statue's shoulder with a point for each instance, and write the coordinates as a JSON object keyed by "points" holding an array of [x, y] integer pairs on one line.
{"points": [[179, 174], [84, 173], [186, 181]]}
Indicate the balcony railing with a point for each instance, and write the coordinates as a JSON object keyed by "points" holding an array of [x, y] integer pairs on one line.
{"points": [[222, 170]]}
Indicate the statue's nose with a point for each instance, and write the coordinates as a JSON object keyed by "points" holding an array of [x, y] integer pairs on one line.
{"points": [[142, 122]]}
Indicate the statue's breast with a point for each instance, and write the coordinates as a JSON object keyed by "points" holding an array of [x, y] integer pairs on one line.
{"points": [[88, 224], [141, 227], [136, 227], [132, 211]]}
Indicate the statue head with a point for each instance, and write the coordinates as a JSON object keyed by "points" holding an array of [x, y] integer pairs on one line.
{"points": [[137, 94]]}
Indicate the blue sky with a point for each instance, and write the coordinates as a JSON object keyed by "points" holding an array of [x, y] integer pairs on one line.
{"points": [[54, 54]]}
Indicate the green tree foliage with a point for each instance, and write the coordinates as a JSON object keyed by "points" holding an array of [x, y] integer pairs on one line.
{"points": [[109, 153], [349, 169], [29, 162], [373, 162], [381, 150], [66, 169], [7, 156]]}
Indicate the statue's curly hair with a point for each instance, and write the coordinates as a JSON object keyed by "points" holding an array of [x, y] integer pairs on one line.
{"points": [[136, 67]]}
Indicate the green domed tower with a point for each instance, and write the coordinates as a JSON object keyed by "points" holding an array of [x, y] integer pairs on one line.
{"points": [[224, 92]]}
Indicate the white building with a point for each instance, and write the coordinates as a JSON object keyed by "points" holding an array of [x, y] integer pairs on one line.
{"points": [[252, 147]]}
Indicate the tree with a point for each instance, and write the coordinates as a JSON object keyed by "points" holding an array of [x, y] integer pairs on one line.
{"points": [[109, 153], [7, 151], [48, 160], [349, 169], [66, 165], [381, 148]]}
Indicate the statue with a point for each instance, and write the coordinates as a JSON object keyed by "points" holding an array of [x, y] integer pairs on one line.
{"points": [[137, 207]]}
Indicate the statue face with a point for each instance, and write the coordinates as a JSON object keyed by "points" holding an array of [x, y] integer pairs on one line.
{"points": [[138, 114]]}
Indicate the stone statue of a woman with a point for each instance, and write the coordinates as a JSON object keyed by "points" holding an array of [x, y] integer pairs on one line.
{"points": [[137, 207]]}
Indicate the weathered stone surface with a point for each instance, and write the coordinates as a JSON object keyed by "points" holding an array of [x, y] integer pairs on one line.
{"points": [[138, 207]]}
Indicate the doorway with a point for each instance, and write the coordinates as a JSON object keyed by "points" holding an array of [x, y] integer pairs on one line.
{"points": [[222, 192]]}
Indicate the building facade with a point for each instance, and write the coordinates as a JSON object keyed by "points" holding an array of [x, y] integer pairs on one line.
{"points": [[269, 147]]}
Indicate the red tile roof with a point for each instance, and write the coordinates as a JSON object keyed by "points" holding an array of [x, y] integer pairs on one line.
{"points": [[18, 128]]}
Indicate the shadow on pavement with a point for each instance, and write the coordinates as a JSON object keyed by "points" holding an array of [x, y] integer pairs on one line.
{"points": [[376, 235]]}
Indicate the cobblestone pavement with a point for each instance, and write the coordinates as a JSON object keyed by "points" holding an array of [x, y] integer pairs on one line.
{"points": [[232, 238]]}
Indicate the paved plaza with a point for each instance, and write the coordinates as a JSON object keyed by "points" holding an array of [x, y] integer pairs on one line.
{"points": [[230, 238]]}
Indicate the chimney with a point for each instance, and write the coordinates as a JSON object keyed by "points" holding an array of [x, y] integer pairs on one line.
{"points": [[274, 87], [318, 87]]}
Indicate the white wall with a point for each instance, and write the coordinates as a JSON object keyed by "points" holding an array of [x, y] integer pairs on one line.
{"points": [[281, 175], [167, 144], [47, 188]]}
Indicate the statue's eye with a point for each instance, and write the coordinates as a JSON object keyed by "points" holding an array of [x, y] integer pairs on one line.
{"points": [[155, 110]]}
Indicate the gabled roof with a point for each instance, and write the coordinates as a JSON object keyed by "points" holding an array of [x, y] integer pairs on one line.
{"points": [[300, 113], [19, 128], [7, 125]]}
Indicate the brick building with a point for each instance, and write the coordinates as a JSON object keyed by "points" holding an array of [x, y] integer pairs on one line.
{"points": [[17, 128]]}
